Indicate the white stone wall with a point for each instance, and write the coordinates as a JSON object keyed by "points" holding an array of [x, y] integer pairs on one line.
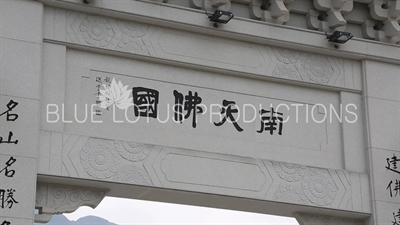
{"points": [[382, 101], [21, 43], [338, 173]]}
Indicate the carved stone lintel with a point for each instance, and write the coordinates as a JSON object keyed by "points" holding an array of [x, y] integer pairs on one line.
{"points": [[314, 219], [56, 199]]}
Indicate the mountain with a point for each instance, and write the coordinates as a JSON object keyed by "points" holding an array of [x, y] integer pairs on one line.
{"points": [[87, 220]]}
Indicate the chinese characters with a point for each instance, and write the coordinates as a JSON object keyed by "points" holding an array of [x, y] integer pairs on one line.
{"points": [[394, 185], [187, 106], [191, 105], [8, 172], [145, 101], [10, 117], [229, 108], [7, 198]]}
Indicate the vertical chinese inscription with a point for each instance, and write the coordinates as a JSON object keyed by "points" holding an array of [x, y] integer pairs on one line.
{"points": [[7, 193], [393, 186]]}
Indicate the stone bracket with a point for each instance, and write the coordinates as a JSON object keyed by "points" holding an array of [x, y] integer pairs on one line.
{"points": [[389, 13], [334, 19], [277, 11], [56, 199], [211, 5]]}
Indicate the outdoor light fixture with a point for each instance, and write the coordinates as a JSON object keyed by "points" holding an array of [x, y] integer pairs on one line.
{"points": [[220, 16], [339, 37]]}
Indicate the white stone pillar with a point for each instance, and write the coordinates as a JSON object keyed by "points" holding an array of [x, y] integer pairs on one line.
{"points": [[382, 102], [20, 75]]}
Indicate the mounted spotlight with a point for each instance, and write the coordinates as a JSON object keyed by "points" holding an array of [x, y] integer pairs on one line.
{"points": [[339, 37], [220, 16]]}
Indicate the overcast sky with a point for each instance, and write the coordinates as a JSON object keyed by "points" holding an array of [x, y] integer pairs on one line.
{"points": [[127, 211]]}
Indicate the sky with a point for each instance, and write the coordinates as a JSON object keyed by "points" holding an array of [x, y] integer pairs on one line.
{"points": [[128, 211]]}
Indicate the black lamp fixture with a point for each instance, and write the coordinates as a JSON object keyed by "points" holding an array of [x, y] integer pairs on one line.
{"points": [[220, 16], [339, 37]]}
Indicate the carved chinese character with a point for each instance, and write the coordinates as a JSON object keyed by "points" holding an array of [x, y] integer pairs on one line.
{"points": [[7, 198], [396, 218], [11, 105], [9, 173], [146, 101], [395, 187], [392, 164], [190, 105], [269, 122], [8, 141], [229, 108]]}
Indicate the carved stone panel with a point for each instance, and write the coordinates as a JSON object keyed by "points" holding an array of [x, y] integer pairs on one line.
{"points": [[105, 32], [315, 186], [118, 161], [312, 68], [201, 50], [181, 169]]}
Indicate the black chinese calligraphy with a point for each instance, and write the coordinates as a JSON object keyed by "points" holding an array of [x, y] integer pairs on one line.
{"points": [[190, 103], [396, 218], [178, 107], [5, 222], [8, 141], [269, 121], [229, 108], [392, 164], [10, 106], [145, 101], [10, 117], [8, 172], [7, 198], [394, 188], [101, 98]]}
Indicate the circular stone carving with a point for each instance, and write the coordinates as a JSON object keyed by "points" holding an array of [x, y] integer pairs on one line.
{"points": [[132, 151], [99, 159], [132, 29], [289, 172], [132, 175], [96, 31], [319, 187], [286, 71], [133, 45], [319, 67], [287, 56], [290, 194]]}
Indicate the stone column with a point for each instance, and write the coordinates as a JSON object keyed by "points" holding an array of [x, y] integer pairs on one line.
{"points": [[20, 75], [382, 102]]}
